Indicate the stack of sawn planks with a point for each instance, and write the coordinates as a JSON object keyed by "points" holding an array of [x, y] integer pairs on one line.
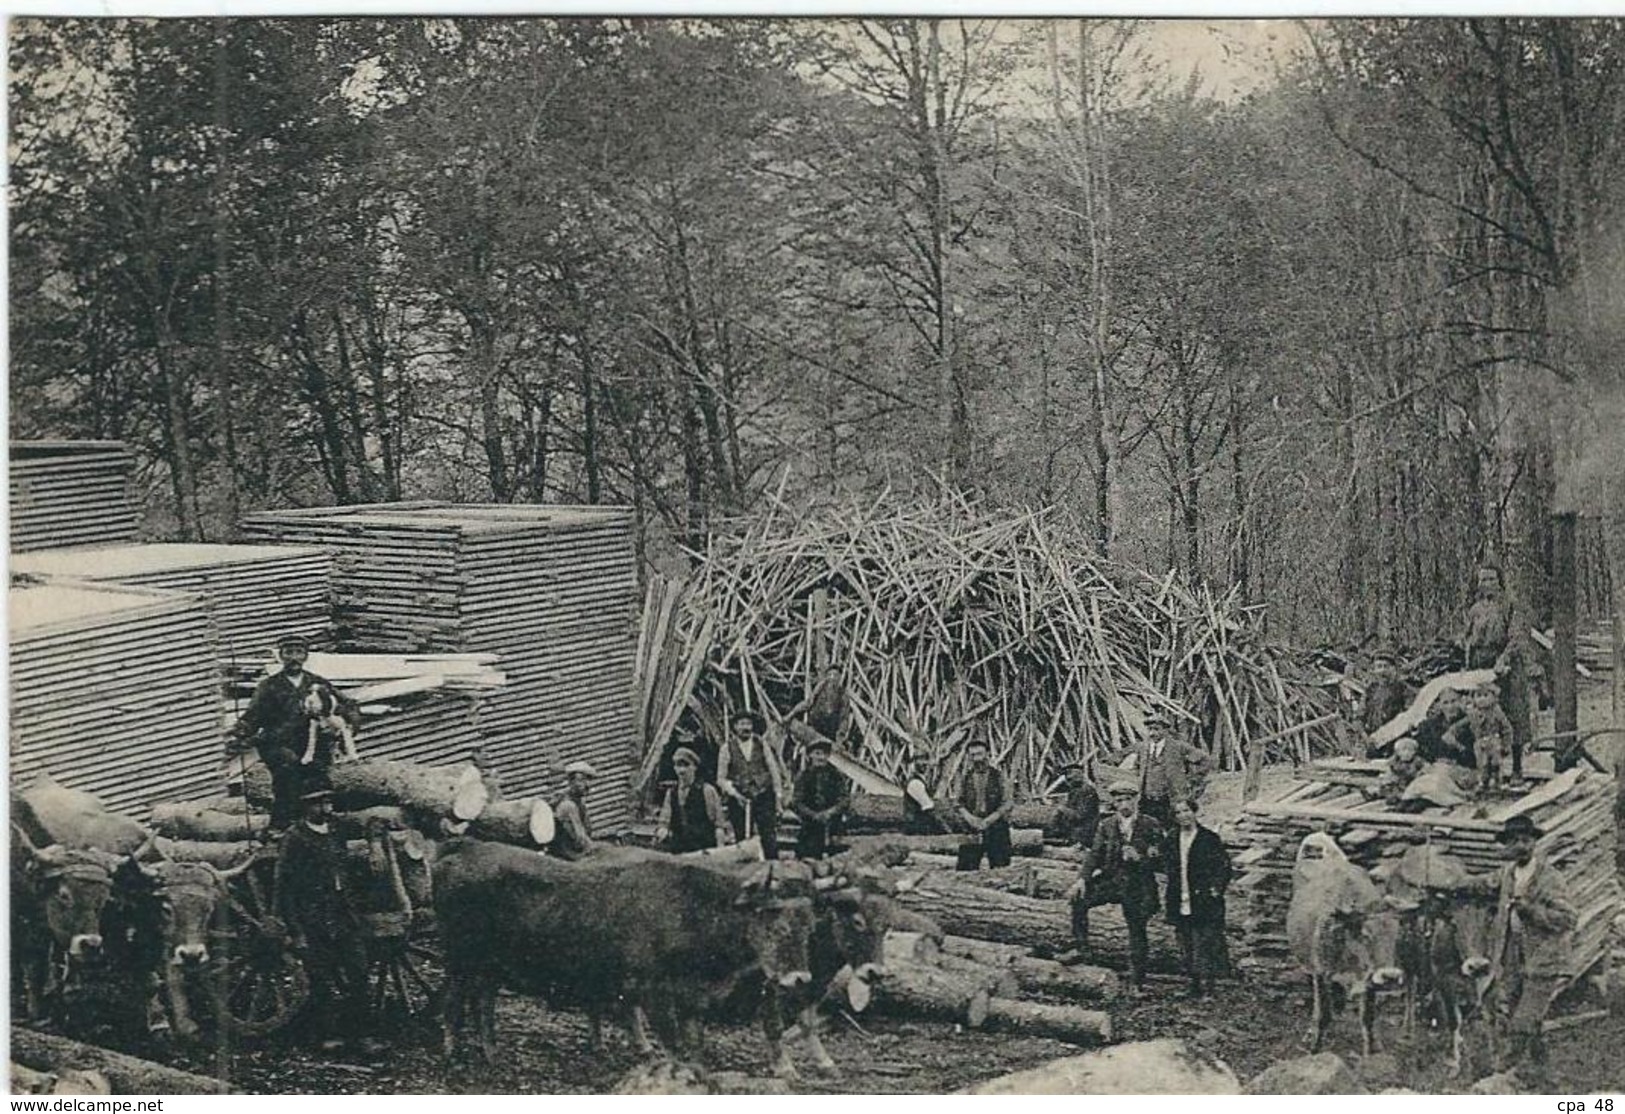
{"points": [[551, 590], [1574, 808], [66, 493], [254, 593], [114, 691]]}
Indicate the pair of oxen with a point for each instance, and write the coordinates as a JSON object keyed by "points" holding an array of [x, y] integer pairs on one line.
{"points": [[1419, 935], [674, 940], [82, 913]]}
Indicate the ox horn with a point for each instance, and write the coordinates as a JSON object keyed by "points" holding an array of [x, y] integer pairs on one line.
{"points": [[232, 872], [18, 834]]}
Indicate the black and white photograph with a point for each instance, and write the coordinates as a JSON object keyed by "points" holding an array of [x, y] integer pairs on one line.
{"points": [[674, 554]]}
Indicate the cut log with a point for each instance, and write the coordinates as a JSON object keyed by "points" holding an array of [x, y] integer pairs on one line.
{"points": [[1038, 976], [1023, 841], [198, 820], [1000, 981], [524, 823], [1043, 925], [920, 991], [1032, 876], [50, 812], [909, 947], [1037, 1019], [354, 823], [128, 1075], [457, 792], [745, 851], [222, 854]]}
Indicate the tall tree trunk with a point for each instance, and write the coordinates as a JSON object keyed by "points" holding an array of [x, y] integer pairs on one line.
{"points": [[182, 472], [490, 387], [224, 400]]}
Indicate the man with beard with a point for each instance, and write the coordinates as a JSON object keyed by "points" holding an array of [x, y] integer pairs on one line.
{"points": [[1118, 870]]}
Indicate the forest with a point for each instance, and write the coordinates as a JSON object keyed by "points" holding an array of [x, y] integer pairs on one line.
{"points": [[1325, 343]]}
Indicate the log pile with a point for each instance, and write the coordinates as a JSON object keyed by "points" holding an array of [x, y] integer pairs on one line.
{"points": [[550, 590], [1574, 808], [114, 691], [952, 621], [253, 593], [70, 493]]}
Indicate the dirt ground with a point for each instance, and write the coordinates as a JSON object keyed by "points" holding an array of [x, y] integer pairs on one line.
{"points": [[1249, 1024]]}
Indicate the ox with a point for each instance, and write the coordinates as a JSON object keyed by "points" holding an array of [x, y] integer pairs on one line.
{"points": [[160, 920], [674, 936], [1343, 934], [1444, 943], [57, 898]]}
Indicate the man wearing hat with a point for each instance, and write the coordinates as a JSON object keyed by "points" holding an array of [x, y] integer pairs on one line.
{"points": [[279, 724], [749, 776], [1531, 943], [1118, 870], [314, 904], [573, 831], [1170, 770], [1079, 814], [984, 807], [821, 798], [691, 815], [1387, 694]]}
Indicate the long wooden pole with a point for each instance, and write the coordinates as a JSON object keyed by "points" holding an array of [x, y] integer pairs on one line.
{"points": [[1564, 692]]}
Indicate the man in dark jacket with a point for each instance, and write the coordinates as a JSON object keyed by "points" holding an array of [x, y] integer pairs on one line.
{"points": [[1118, 869], [1496, 636], [691, 816], [573, 828], [313, 901], [984, 808], [821, 798], [281, 724], [1198, 874]]}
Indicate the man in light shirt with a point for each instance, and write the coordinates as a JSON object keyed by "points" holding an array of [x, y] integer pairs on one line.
{"points": [[1198, 874], [750, 778]]}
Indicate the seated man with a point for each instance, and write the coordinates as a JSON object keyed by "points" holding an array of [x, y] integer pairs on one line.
{"points": [[821, 797], [573, 831], [984, 808], [1118, 870]]}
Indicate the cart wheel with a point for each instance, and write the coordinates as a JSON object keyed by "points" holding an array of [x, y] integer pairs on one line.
{"points": [[260, 984], [404, 966]]}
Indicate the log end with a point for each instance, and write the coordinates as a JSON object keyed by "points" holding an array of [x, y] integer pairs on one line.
{"points": [[471, 796], [858, 993], [541, 824], [976, 1009]]}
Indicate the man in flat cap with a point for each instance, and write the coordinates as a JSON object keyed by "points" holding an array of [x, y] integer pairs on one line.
{"points": [[573, 838], [821, 798], [1118, 869], [749, 775], [315, 905], [1531, 943], [691, 817], [1079, 814], [282, 723]]}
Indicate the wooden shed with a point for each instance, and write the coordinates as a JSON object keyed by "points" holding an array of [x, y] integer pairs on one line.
{"points": [[114, 690], [552, 590], [66, 493]]}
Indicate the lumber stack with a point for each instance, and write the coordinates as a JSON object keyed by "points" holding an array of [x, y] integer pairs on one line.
{"points": [[66, 493], [114, 692], [1574, 808], [952, 621], [254, 593], [550, 590]]}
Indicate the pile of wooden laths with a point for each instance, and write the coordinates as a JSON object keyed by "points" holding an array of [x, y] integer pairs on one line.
{"points": [[414, 707], [67, 493], [1574, 808], [114, 690], [254, 593], [951, 621], [551, 590]]}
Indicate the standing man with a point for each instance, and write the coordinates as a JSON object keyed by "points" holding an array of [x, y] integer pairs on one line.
{"points": [[314, 904], [691, 815], [1079, 814], [822, 796], [1197, 879], [573, 831], [750, 778], [1170, 770], [984, 807], [1118, 870], [1531, 943], [1497, 637], [828, 711], [281, 723]]}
